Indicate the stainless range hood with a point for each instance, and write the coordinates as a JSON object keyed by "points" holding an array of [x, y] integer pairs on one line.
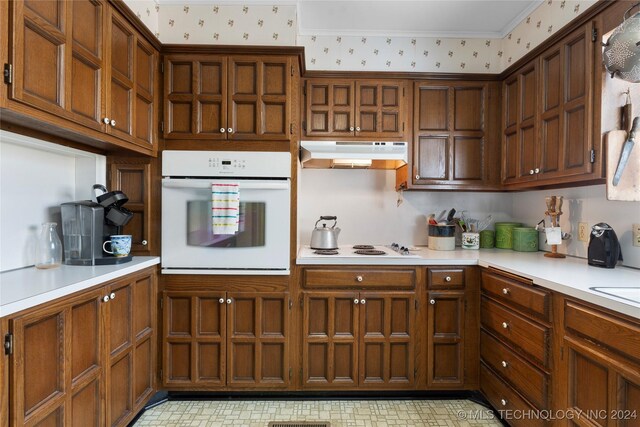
{"points": [[353, 154]]}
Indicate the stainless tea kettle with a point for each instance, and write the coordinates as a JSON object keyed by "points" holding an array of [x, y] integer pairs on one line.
{"points": [[325, 237]]}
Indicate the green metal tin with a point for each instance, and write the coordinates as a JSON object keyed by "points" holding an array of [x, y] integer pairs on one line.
{"points": [[504, 234], [487, 239], [525, 239]]}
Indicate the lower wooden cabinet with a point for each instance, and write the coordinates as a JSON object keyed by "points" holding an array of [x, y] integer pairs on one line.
{"points": [[452, 328], [602, 367], [86, 360], [215, 340], [358, 339]]}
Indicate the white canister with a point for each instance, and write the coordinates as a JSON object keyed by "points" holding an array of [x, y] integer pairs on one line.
{"points": [[442, 237]]}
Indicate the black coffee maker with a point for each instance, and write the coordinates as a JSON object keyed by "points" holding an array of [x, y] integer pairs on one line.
{"points": [[604, 247], [86, 225]]}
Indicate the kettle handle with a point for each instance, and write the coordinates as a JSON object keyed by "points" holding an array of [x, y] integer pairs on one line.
{"points": [[327, 218]]}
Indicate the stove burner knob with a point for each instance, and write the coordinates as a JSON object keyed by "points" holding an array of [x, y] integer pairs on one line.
{"points": [[394, 246], [405, 251]]}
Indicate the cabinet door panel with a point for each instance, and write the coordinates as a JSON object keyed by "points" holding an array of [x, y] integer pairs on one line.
{"points": [[258, 340], [39, 39], [120, 331], [468, 108], [386, 340], [85, 405], [445, 358], [433, 108], [379, 108], [120, 393], [433, 158], [144, 108], [329, 339], [330, 107], [468, 158], [588, 386], [194, 339]]}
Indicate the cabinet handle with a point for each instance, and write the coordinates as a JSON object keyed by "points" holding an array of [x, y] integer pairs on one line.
{"points": [[222, 130], [531, 172], [144, 243], [113, 122], [503, 402], [230, 130], [505, 291], [112, 296], [229, 301], [106, 120], [537, 170], [447, 279], [221, 300], [363, 301], [351, 128], [417, 176], [105, 298], [356, 301], [357, 128], [359, 278], [505, 325], [504, 363], [432, 302]]}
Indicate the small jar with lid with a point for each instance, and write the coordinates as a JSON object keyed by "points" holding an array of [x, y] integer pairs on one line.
{"points": [[525, 239]]}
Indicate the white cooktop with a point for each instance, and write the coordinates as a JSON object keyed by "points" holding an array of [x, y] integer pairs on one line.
{"points": [[347, 251]]}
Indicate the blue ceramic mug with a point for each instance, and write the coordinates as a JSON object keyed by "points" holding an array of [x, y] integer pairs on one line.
{"points": [[120, 245]]}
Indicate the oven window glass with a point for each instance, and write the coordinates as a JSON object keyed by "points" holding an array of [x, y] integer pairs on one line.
{"points": [[251, 231]]}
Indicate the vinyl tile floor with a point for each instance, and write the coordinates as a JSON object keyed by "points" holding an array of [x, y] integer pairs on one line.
{"points": [[340, 413]]}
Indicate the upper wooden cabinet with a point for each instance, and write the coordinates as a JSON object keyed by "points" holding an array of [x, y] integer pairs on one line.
{"points": [[548, 116], [215, 97], [455, 140], [360, 108], [82, 63]]}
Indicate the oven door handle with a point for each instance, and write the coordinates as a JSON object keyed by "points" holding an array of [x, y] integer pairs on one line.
{"points": [[191, 183]]}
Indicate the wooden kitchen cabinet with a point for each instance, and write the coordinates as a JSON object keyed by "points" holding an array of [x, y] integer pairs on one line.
{"points": [[133, 176], [358, 339], [452, 332], [602, 365], [220, 97], [456, 136], [371, 109], [85, 71], [84, 360], [516, 343], [548, 115], [217, 340]]}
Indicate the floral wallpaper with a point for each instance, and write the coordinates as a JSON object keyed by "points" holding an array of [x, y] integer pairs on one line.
{"points": [[147, 11], [263, 24]]}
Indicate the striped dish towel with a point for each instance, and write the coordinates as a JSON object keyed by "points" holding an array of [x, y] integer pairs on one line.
{"points": [[225, 208]]}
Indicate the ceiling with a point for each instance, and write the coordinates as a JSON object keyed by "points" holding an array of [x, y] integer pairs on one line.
{"points": [[409, 18]]}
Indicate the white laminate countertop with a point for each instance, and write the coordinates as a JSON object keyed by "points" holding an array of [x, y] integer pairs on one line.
{"points": [[570, 276], [27, 287]]}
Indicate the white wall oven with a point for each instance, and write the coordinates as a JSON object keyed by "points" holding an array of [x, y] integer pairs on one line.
{"points": [[192, 185]]}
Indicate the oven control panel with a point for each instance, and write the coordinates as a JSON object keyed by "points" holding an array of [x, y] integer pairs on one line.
{"points": [[202, 164], [227, 164]]}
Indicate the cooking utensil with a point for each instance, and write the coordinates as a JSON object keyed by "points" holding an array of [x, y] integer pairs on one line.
{"points": [[325, 237], [483, 224], [629, 186], [627, 112], [452, 212], [626, 151]]}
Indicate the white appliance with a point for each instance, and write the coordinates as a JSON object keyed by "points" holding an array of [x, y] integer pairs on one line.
{"points": [[353, 154], [261, 246]]}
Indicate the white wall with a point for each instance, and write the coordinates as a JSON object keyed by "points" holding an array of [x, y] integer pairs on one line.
{"points": [[583, 204], [35, 178], [365, 203]]}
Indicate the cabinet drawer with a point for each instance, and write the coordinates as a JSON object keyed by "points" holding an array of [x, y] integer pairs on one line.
{"points": [[505, 399], [519, 294], [605, 329], [520, 331], [447, 279], [358, 278], [530, 381]]}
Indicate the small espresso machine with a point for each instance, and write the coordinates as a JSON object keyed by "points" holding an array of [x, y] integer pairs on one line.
{"points": [[86, 225]]}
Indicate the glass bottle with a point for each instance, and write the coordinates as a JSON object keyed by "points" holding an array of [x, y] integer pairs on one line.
{"points": [[49, 248]]}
